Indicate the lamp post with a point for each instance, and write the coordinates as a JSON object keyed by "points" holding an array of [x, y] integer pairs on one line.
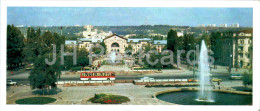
{"points": [[230, 63]]}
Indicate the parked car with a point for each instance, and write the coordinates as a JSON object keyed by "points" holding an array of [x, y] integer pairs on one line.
{"points": [[216, 80], [192, 80], [147, 78], [235, 76], [11, 83]]}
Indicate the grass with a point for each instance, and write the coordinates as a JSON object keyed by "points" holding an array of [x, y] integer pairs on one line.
{"points": [[35, 100], [108, 99]]}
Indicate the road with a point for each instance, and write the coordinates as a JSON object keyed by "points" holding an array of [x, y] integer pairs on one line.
{"points": [[22, 78]]}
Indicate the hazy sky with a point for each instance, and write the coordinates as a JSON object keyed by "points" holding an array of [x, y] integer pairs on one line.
{"points": [[105, 16]]}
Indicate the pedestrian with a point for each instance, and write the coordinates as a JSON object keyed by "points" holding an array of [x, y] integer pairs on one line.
{"points": [[12, 72]]}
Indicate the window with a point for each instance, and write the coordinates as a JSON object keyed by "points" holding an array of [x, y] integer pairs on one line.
{"points": [[241, 41]]}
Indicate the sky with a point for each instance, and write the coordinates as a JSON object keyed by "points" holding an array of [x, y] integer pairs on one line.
{"points": [[127, 16]]}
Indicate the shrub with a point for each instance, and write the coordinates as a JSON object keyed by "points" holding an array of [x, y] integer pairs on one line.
{"points": [[35, 100], [109, 99]]}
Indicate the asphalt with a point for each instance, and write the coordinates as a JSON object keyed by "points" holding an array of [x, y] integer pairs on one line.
{"points": [[22, 78]]}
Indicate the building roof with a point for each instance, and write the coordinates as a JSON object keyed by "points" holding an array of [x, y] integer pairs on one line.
{"points": [[90, 40], [160, 42], [115, 35], [70, 42], [138, 39]]}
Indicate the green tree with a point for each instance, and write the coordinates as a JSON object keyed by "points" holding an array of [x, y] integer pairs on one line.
{"points": [[250, 52], [104, 45], [172, 40], [215, 40], [248, 78], [43, 76], [31, 49], [83, 59], [174, 43], [15, 47], [130, 48]]}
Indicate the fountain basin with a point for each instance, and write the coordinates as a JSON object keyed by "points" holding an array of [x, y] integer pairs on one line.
{"points": [[188, 96]]}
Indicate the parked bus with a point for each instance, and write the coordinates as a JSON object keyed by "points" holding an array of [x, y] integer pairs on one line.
{"points": [[97, 75]]}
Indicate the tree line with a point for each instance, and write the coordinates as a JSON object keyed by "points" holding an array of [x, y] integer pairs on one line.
{"points": [[33, 49]]}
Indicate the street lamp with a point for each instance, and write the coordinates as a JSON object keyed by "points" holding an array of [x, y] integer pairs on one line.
{"points": [[230, 63]]}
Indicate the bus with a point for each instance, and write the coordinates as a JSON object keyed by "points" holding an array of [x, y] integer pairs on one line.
{"points": [[97, 75]]}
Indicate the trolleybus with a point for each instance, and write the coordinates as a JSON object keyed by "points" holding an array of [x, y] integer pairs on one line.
{"points": [[97, 75]]}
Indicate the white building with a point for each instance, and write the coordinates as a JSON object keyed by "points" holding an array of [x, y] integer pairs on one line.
{"points": [[180, 34], [212, 25], [222, 25], [201, 25], [91, 33], [234, 25]]}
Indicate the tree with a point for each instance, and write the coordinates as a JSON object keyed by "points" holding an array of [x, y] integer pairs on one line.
{"points": [[104, 45], [129, 48], [31, 49], [250, 52], [172, 40], [248, 78], [173, 43], [15, 47], [83, 59], [43, 76], [215, 40]]}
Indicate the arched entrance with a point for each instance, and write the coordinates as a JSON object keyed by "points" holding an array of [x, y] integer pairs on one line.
{"points": [[115, 47]]}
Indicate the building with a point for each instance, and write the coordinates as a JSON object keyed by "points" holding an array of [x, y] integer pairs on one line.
{"points": [[212, 25], [236, 49], [117, 43], [222, 25], [234, 25], [180, 34], [70, 43], [201, 25], [92, 33]]}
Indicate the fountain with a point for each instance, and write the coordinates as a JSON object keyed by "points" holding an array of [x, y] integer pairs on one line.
{"points": [[203, 95], [113, 57], [205, 89]]}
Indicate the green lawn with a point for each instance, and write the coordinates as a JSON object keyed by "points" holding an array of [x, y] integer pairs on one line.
{"points": [[35, 100]]}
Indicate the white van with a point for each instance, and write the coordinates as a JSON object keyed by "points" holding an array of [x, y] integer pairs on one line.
{"points": [[236, 76]]}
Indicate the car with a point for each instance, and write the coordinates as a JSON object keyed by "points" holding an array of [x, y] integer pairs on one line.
{"points": [[147, 78], [192, 80], [235, 76], [11, 83], [216, 80]]}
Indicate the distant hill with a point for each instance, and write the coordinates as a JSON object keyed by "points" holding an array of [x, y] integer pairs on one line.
{"points": [[72, 31]]}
